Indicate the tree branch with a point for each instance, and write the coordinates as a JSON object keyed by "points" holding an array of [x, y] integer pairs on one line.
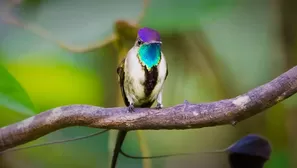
{"points": [[182, 116]]}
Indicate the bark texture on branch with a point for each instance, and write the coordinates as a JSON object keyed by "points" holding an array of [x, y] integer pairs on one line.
{"points": [[182, 116]]}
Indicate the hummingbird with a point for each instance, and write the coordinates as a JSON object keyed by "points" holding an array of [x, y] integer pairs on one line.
{"points": [[141, 76]]}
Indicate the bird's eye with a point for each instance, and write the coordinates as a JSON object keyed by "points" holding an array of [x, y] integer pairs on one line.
{"points": [[139, 42]]}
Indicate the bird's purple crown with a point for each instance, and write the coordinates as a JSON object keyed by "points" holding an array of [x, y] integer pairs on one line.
{"points": [[147, 34]]}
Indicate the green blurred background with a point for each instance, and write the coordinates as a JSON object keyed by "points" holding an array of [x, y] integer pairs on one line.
{"points": [[215, 49]]}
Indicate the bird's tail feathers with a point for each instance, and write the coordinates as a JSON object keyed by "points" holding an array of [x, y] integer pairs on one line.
{"points": [[119, 142]]}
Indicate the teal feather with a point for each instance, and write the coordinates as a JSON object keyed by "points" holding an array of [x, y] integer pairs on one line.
{"points": [[150, 54]]}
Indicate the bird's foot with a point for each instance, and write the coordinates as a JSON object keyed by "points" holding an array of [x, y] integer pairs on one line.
{"points": [[159, 106], [131, 108], [186, 102]]}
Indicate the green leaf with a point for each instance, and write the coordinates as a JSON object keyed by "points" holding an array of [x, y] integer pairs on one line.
{"points": [[12, 95]]}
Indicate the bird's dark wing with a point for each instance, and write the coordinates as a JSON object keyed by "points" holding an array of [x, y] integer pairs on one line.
{"points": [[166, 71], [121, 79], [122, 134]]}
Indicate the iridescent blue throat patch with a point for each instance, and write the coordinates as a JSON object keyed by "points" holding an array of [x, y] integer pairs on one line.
{"points": [[150, 54]]}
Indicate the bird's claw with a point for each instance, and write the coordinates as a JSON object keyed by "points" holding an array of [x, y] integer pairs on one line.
{"points": [[159, 106], [186, 102], [131, 108]]}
